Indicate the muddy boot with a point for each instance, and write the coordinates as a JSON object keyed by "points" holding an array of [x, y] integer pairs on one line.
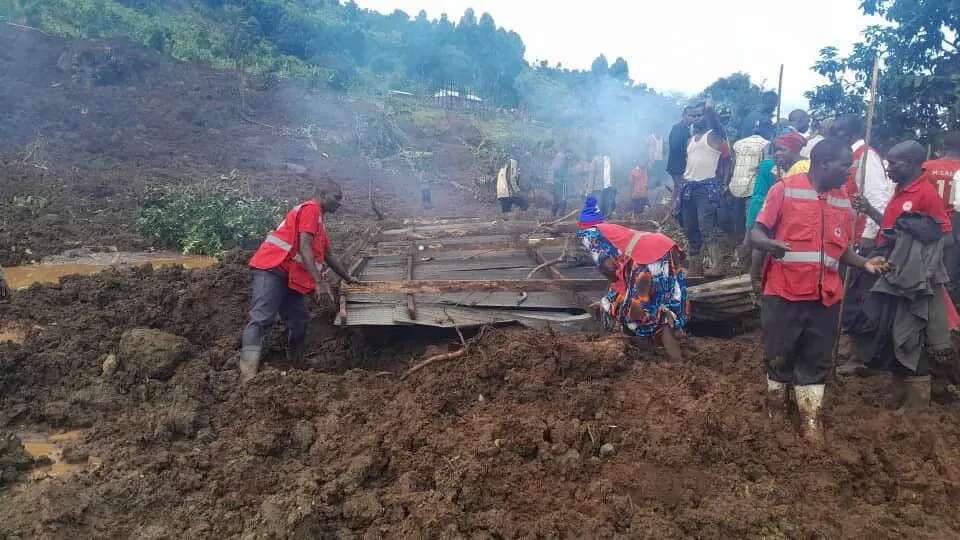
{"points": [[249, 363], [713, 261], [916, 394], [810, 405], [297, 353], [852, 367], [776, 400], [696, 266]]}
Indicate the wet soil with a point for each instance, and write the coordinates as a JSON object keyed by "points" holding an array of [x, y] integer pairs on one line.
{"points": [[502, 442]]}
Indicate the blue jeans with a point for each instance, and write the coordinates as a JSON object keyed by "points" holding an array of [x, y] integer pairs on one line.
{"points": [[699, 213]]}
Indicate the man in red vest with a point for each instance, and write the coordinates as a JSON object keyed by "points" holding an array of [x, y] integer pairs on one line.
{"points": [[944, 173], [288, 266], [805, 225]]}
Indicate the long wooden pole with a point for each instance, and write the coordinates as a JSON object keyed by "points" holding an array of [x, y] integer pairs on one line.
{"points": [[779, 103], [861, 182]]}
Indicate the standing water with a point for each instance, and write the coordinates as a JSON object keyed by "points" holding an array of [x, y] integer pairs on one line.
{"points": [[52, 269]]}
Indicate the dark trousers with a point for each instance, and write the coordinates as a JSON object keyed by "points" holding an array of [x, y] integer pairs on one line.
{"points": [[798, 340], [559, 197], [951, 259], [271, 297], [640, 204], [699, 216], [738, 216], [507, 203], [608, 201], [426, 197]]}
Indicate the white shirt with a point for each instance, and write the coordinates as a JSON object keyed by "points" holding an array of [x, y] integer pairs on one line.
{"points": [[810, 144], [702, 159], [956, 193], [607, 173], [748, 153], [877, 188]]}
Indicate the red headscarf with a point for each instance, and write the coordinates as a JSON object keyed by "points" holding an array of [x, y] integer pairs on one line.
{"points": [[794, 141]]}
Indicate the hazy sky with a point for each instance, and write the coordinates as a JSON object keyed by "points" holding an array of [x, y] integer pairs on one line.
{"points": [[672, 45]]}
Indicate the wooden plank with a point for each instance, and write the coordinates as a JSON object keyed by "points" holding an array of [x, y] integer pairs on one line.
{"points": [[440, 245], [411, 307], [518, 285], [356, 266], [342, 312], [411, 257], [539, 258]]}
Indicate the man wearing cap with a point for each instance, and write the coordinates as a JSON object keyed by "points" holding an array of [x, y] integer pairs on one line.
{"points": [[286, 267], [805, 227]]}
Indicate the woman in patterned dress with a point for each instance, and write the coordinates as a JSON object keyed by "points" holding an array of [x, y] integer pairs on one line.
{"points": [[647, 297]]}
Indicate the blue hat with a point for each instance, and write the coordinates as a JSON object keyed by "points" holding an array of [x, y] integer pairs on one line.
{"points": [[591, 212]]}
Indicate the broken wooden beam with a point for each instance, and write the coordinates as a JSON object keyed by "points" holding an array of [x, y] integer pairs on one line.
{"points": [[542, 262], [342, 312], [411, 307]]}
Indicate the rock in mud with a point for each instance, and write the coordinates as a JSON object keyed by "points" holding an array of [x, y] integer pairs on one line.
{"points": [[152, 354], [110, 365], [302, 435], [607, 450], [13, 458]]}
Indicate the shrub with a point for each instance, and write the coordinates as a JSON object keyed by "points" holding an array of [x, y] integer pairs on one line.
{"points": [[208, 218]]}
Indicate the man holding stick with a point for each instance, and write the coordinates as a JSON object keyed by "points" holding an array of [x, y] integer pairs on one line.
{"points": [[805, 225]]}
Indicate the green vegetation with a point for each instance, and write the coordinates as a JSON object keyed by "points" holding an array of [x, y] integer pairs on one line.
{"points": [[919, 85], [208, 218]]}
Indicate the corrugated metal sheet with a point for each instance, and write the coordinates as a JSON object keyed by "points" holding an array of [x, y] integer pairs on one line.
{"points": [[533, 300], [448, 317]]}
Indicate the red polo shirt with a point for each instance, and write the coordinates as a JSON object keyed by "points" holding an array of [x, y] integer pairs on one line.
{"points": [[944, 174], [918, 197]]}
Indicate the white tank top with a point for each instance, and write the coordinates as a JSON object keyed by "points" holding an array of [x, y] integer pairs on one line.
{"points": [[702, 159]]}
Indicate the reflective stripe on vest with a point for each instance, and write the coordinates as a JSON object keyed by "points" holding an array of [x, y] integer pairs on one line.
{"points": [[839, 203], [811, 195], [810, 257], [799, 193], [279, 242]]}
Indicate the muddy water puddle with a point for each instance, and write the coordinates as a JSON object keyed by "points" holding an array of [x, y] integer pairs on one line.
{"points": [[50, 271], [12, 333], [50, 446]]}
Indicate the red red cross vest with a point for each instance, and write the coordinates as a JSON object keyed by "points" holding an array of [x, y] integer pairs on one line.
{"points": [[817, 228], [281, 246]]}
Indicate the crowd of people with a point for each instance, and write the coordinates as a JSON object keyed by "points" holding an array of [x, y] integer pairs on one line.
{"points": [[571, 178], [837, 238]]}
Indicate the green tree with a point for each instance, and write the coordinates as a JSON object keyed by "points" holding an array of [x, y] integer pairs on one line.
{"points": [[620, 70], [736, 91], [919, 86], [600, 66]]}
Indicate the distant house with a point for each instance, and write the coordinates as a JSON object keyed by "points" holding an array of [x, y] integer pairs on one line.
{"points": [[452, 99]]}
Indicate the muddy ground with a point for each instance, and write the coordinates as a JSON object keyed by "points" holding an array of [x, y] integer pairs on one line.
{"points": [[528, 435], [504, 442]]}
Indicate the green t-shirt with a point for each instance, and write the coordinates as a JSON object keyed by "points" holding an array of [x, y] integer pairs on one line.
{"points": [[765, 180]]}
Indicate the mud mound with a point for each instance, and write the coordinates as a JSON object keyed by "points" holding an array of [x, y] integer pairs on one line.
{"points": [[529, 434]]}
